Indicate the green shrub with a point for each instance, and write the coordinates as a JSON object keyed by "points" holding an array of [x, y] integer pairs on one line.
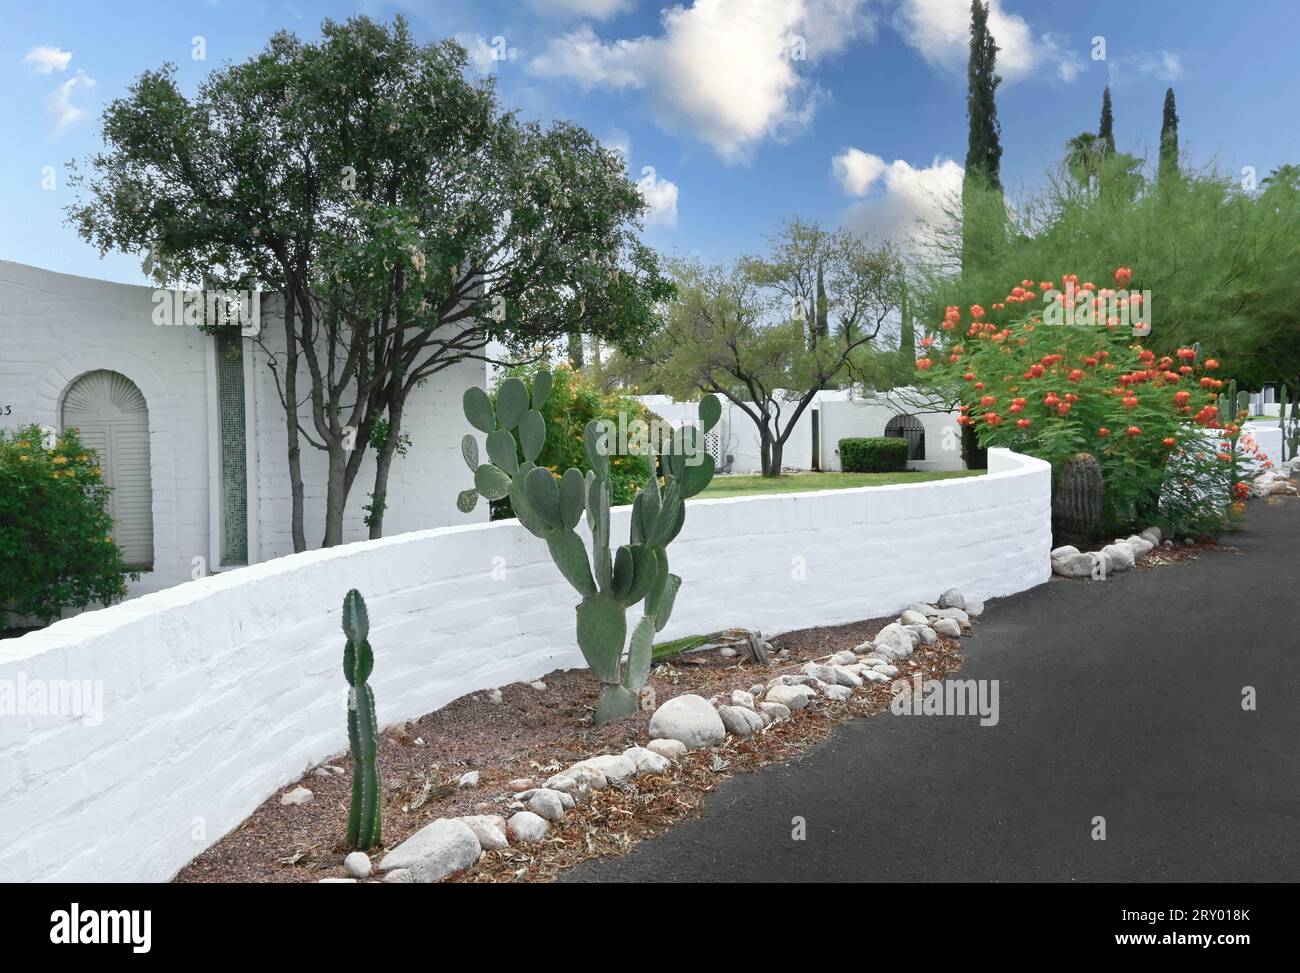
{"points": [[873, 454], [56, 534], [574, 401]]}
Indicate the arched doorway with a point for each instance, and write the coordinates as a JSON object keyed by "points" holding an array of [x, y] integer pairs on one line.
{"points": [[911, 429], [112, 418]]}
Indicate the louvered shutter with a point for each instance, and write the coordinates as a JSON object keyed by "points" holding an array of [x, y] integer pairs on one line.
{"points": [[113, 419]]}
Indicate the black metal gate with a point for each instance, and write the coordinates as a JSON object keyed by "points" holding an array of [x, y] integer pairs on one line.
{"points": [[909, 428]]}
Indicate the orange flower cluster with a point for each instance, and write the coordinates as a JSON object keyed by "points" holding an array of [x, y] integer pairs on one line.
{"points": [[1070, 388]]}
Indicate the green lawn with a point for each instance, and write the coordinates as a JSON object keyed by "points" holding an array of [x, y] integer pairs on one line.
{"points": [[745, 484]]}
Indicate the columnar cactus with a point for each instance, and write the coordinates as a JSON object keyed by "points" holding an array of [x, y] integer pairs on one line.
{"points": [[550, 508], [365, 816], [1077, 500]]}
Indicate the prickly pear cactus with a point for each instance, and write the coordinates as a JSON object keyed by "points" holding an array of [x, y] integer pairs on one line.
{"points": [[1077, 500], [365, 816], [609, 582]]}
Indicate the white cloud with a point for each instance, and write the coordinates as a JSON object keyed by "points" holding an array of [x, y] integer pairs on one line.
{"points": [[940, 32], [660, 197], [619, 141], [59, 102], [1163, 65], [595, 9], [907, 195], [857, 170], [485, 54], [47, 60], [722, 71], [1166, 66]]}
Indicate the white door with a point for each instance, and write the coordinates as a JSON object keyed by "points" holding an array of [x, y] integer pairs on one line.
{"points": [[113, 420]]}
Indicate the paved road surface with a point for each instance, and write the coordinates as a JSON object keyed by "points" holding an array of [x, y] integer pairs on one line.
{"points": [[1119, 699]]}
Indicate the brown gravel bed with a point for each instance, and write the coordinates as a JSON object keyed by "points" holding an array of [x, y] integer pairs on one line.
{"points": [[534, 733]]}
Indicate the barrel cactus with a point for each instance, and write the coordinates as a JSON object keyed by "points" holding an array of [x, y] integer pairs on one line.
{"points": [[365, 816], [1077, 500], [550, 507]]}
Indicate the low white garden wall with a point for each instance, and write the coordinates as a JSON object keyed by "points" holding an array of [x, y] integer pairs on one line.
{"points": [[1268, 437], [218, 692]]}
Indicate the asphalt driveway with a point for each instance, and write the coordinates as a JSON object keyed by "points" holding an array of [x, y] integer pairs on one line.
{"points": [[1119, 699]]}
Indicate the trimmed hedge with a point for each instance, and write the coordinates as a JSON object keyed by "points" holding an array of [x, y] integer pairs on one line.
{"points": [[875, 454]]}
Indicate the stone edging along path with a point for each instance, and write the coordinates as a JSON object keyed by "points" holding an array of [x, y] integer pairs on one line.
{"points": [[449, 846], [1070, 562]]}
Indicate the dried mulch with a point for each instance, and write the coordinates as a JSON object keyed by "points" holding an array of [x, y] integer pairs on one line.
{"points": [[534, 733]]}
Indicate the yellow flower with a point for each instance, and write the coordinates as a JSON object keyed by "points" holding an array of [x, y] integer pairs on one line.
{"points": [[60, 460], [54, 475], [70, 473], [108, 538], [24, 458], [96, 471], [82, 458]]}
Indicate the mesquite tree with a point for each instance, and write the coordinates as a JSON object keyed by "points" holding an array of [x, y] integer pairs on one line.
{"points": [[405, 218], [730, 331]]}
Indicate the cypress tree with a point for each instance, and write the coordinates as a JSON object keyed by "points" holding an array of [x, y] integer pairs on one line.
{"points": [[821, 324], [1106, 132], [906, 335], [1169, 139], [982, 185], [983, 150]]}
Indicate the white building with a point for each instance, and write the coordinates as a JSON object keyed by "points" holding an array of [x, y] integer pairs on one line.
{"points": [[190, 430], [833, 415]]}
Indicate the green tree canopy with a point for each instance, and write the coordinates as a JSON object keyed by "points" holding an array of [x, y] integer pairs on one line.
{"points": [[405, 217]]}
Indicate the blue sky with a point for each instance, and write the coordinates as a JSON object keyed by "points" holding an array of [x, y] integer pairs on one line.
{"points": [[734, 113]]}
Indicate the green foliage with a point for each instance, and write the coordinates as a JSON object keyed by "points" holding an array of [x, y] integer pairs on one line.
{"points": [[751, 330], [365, 814], [873, 454], [1168, 168], [550, 508], [567, 405], [1106, 128], [1056, 390], [984, 146], [982, 201], [56, 533], [377, 182], [1219, 262]]}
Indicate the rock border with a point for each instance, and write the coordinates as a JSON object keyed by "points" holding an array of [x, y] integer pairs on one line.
{"points": [[446, 846]]}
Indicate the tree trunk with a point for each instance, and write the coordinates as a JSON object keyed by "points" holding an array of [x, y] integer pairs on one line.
{"points": [[336, 494], [765, 450], [575, 349], [384, 463], [778, 448], [975, 456], [291, 421]]}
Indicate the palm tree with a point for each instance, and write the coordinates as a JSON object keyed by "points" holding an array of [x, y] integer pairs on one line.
{"points": [[1083, 157]]}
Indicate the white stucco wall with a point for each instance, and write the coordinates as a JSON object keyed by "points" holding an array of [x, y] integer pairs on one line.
{"points": [[840, 416], [218, 692], [1268, 437], [56, 327], [847, 418], [422, 485]]}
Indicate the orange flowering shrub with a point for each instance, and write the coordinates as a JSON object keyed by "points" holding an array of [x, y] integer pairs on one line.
{"points": [[1056, 390]]}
